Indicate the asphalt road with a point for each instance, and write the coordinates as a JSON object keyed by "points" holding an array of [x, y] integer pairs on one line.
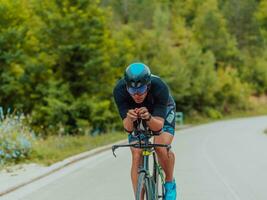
{"points": [[225, 160]]}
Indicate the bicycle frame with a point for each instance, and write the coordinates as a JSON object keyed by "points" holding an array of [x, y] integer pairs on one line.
{"points": [[148, 149], [147, 146]]}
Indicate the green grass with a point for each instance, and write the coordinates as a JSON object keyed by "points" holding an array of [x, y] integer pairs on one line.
{"points": [[258, 110], [57, 148]]}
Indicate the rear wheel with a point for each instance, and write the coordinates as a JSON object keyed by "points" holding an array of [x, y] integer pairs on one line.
{"points": [[143, 188]]}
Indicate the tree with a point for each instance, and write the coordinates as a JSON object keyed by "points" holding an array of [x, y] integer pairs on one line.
{"points": [[186, 9], [78, 37], [12, 38], [261, 16], [134, 11], [255, 72], [240, 15], [75, 35], [210, 30]]}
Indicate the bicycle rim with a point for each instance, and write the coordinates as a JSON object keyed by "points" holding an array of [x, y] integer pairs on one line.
{"points": [[143, 186], [158, 178], [156, 181], [161, 188]]}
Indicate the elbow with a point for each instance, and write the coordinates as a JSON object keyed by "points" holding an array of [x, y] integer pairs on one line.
{"points": [[158, 125], [160, 122]]}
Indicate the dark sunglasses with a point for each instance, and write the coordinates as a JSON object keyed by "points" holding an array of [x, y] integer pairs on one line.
{"points": [[140, 90]]}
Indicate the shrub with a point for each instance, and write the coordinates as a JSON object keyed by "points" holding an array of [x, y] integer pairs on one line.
{"points": [[231, 92], [212, 113], [15, 139]]}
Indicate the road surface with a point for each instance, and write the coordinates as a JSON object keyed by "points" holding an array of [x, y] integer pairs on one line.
{"points": [[225, 160]]}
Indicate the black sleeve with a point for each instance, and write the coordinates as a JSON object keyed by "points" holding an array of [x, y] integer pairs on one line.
{"points": [[161, 102], [120, 101]]}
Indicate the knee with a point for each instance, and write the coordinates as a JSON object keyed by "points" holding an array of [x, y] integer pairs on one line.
{"points": [[136, 156], [161, 151]]}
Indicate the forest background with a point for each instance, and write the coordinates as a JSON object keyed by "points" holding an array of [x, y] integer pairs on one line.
{"points": [[60, 59]]}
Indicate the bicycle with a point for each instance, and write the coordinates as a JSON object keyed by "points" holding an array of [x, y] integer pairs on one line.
{"points": [[149, 185]]}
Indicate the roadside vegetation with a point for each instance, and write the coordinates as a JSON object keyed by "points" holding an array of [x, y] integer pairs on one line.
{"points": [[54, 148], [61, 59], [57, 148], [19, 144], [16, 140], [258, 107]]}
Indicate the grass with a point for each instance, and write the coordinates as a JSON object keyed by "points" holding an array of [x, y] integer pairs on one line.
{"points": [[239, 114], [257, 109], [57, 148]]}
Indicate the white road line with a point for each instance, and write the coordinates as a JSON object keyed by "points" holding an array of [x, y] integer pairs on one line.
{"points": [[217, 172]]}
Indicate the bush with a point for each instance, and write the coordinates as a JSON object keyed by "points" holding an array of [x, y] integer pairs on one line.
{"points": [[212, 113], [256, 73], [15, 139], [83, 115], [232, 94]]}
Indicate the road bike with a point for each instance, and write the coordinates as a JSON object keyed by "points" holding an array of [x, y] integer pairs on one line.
{"points": [[150, 179]]}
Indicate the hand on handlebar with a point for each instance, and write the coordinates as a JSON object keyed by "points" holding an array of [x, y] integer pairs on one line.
{"points": [[143, 113], [132, 115]]}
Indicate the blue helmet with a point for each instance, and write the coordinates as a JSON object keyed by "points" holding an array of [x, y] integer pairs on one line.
{"points": [[137, 75]]}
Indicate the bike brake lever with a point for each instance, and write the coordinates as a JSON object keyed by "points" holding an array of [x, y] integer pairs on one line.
{"points": [[113, 150]]}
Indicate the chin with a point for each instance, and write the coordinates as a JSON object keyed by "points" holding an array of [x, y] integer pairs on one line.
{"points": [[139, 101]]}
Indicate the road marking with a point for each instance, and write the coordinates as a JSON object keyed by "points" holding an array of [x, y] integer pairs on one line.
{"points": [[217, 172]]}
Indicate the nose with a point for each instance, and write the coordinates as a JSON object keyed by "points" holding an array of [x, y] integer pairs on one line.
{"points": [[137, 95]]}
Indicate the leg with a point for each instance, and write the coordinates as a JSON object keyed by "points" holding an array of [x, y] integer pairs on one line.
{"points": [[136, 161], [166, 161]]}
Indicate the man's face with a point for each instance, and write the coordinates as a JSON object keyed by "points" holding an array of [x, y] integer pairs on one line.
{"points": [[138, 94], [139, 98]]}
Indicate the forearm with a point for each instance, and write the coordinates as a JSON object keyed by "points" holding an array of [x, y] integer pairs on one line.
{"points": [[155, 123], [128, 124]]}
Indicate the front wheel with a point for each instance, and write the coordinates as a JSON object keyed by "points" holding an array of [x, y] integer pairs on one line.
{"points": [[143, 191], [158, 178]]}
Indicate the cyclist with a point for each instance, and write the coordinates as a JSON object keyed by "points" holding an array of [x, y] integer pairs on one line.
{"points": [[143, 95]]}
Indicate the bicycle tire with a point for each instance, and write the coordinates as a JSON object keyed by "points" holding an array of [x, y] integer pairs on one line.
{"points": [[160, 185], [159, 190], [143, 182]]}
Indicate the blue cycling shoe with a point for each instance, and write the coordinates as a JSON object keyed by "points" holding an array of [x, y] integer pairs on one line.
{"points": [[170, 190]]}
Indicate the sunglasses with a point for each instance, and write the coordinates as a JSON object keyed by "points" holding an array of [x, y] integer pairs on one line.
{"points": [[140, 90]]}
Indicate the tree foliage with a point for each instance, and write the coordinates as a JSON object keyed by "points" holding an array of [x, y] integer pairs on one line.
{"points": [[211, 31], [59, 60]]}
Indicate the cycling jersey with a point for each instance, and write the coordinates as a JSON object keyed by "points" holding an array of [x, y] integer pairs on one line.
{"points": [[158, 101]]}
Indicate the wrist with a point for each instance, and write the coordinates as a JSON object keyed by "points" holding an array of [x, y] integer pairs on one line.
{"points": [[130, 119], [149, 118]]}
